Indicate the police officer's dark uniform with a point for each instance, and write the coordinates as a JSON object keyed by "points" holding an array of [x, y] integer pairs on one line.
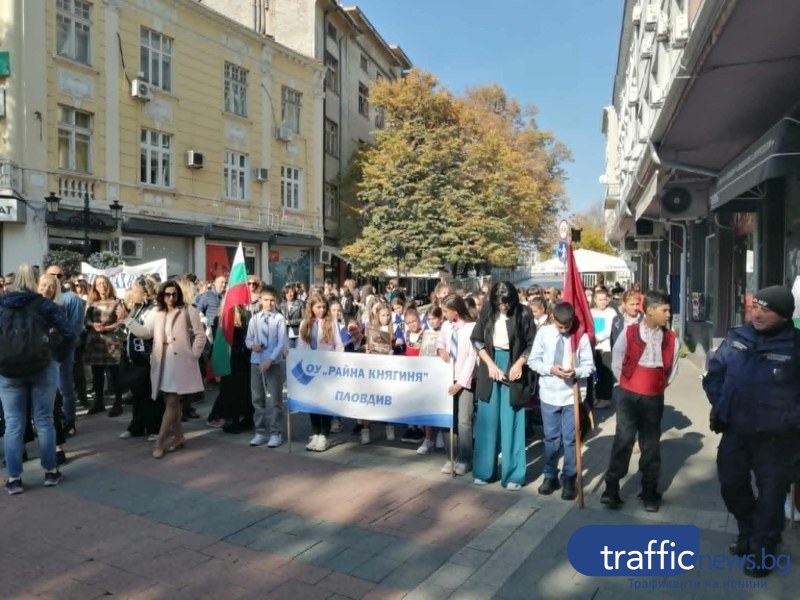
{"points": [[753, 384]]}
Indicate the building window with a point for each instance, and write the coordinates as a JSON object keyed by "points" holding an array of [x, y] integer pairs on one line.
{"points": [[235, 90], [74, 140], [332, 33], [74, 30], [290, 187], [332, 75], [331, 200], [155, 59], [363, 100], [236, 171], [155, 158], [364, 63], [331, 138], [290, 108]]}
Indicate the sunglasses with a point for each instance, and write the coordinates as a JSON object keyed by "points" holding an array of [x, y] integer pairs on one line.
{"points": [[59, 275], [170, 294], [253, 283]]}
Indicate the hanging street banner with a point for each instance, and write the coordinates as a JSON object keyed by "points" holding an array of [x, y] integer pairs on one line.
{"points": [[124, 275], [394, 389]]}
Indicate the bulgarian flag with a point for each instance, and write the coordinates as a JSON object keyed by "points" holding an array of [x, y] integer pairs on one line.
{"points": [[238, 294]]}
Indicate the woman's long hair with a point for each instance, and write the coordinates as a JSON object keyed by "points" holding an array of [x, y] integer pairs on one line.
{"points": [[53, 281], [94, 295], [501, 292], [162, 305], [326, 327], [457, 303], [25, 280]]}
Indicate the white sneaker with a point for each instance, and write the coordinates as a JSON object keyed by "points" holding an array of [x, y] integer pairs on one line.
{"points": [[513, 487], [477, 481], [461, 468], [365, 436], [275, 440], [259, 439], [390, 433], [447, 469], [426, 447], [336, 426], [312, 443], [322, 444], [125, 435], [152, 437], [439, 441]]}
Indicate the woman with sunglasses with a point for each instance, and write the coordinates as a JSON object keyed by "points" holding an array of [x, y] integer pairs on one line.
{"points": [[178, 342], [503, 338]]}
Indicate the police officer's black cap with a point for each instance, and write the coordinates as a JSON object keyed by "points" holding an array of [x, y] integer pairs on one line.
{"points": [[778, 299]]}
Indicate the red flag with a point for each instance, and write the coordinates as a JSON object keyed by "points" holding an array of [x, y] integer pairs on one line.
{"points": [[574, 294]]}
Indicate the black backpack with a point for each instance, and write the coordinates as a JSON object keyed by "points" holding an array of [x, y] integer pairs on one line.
{"points": [[24, 342]]}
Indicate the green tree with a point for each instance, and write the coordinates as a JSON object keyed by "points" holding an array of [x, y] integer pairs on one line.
{"points": [[451, 182]]}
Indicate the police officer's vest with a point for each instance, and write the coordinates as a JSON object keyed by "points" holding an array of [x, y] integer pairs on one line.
{"points": [[645, 381]]}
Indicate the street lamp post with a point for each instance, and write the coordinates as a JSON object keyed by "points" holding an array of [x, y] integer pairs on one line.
{"points": [[86, 220]]}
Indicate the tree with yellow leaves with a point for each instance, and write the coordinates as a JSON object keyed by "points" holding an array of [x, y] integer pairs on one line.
{"points": [[451, 183]]}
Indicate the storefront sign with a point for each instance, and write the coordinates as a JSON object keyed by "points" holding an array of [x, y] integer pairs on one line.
{"points": [[393, 389], [11, 211], [124, 275]]}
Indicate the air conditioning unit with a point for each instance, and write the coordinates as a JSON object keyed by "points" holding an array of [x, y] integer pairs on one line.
{"points": [[633, 94], [194, 159], [324, 256], [646, 49], [662, 28], [647, 229], [636, 16], [261, 174], [284, 133], [629, 244], [141, 90], [656, 95], [680, 34], [128, 247], [651, 17], [680, 204]]}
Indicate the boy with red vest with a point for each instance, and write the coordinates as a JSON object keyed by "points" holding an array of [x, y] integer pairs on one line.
{"points": [[644, 361]]}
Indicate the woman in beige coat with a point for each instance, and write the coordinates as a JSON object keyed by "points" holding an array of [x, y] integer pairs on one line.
{"points": [[178, 341]]}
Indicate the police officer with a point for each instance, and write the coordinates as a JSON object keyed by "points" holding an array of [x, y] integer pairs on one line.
{"points": [[753, 384]]}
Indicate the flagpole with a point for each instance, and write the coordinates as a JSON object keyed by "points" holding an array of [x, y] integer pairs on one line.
{"points": [[576, 393]]}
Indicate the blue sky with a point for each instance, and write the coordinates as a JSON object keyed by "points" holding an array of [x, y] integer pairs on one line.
{"points": [[557, 54]]}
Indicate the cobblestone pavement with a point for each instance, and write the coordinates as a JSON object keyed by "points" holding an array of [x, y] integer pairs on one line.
{"points": [[223, 520]]}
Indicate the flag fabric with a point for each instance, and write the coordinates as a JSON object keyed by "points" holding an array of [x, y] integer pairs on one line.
{"points": [[574, 294], [237, 294]]}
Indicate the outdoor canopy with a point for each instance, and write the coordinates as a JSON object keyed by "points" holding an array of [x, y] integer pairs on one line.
{"points": [[588, 261], [775, 154]]}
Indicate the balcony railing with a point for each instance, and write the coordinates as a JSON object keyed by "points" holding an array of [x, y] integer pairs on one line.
{"points": [[294, 221], [74, 188], [9, 175], [612, 191]]}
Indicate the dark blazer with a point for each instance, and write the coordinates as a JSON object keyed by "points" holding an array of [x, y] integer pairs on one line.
{"points": [[521, 331]]}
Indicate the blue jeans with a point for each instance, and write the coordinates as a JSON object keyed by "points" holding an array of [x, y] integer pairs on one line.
{"points": [[66, 385], [559, 435], [41, 389]]}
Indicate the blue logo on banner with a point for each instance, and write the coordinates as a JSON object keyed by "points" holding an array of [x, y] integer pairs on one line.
{"points": [[300, 374], [634, 550]]}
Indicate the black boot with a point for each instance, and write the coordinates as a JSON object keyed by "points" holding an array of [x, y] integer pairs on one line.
{"points": [[755, 569], [549, 485], [610, 498], [569, 492], [651, 500], [741, 546]]}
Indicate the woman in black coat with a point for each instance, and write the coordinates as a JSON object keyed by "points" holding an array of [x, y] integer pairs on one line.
{"points": [[503, 337]]}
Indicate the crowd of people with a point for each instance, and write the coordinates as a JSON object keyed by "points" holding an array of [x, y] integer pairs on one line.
{"points": [[511, 349]]}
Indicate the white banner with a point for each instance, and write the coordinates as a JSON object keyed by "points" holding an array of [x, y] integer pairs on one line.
{"points": [[124, 275], [394, 389]]}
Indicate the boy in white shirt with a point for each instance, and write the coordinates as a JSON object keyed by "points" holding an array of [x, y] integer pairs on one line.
{"points": [[558, 366]]}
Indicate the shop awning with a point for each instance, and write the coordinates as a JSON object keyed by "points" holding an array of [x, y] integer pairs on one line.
{"points": [[775, 154], [156, 227], [236, 234], [306, 241]]}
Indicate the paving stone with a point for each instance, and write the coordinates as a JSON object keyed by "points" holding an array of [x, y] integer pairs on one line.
{"points": [[346, 561], [346, 585], [375, 569]]}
